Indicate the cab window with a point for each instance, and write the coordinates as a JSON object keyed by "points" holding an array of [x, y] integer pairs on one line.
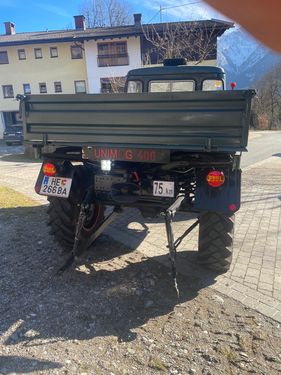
{"points": [[134, 87], [171, 86], [212, 85]]}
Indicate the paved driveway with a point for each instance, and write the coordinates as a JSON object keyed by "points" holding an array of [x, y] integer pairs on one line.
{"points": [[255, 275]]}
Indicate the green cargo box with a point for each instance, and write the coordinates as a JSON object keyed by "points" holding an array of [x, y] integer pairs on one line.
{"points": [[192, 121]]}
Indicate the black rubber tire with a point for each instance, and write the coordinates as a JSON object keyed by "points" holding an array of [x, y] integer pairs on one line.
{"points": [[216, 232], [63, 214]]}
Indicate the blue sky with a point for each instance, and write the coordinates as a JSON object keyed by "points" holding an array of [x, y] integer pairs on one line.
{"points": [[39, 15]]}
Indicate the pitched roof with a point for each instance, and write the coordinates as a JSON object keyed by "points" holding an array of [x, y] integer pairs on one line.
{"points": [[103, 32]]}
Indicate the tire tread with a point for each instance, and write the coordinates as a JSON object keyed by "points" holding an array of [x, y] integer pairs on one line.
{"points": [[216, 241]]}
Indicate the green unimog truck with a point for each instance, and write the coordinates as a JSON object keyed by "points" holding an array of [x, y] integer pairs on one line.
{"points": [[172, 141]]}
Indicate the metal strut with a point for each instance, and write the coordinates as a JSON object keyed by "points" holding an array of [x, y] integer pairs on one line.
{"points": [[172, 244], [78, 250]]}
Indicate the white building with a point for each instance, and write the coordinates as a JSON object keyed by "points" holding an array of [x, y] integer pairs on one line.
{"points": [[81, 60]]}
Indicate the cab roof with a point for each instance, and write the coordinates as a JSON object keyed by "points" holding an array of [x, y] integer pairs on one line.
{"points": [[174, 70]]}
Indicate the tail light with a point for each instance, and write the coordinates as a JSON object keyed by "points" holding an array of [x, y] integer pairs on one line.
{"points": [[215, 178], [49, 169]]}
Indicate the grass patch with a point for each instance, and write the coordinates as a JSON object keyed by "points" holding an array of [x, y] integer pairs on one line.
{"points": [[230, 354], [157, 364], [10, 198]]}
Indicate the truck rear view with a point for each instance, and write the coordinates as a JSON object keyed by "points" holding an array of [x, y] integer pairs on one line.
{"points": [[158, 151]]}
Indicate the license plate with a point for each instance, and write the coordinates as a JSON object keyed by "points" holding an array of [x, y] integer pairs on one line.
{"points": [[163, 188], [56, 186], [127, 154]]}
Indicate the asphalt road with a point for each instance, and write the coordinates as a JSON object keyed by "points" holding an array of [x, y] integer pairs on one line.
{"points": [[262, 145]]}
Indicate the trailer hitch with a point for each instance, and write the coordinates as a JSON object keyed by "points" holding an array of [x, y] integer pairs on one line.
{"points": [[172, 243], [78, 248]]}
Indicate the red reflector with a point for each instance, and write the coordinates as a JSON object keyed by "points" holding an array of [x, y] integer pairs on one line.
{"points": [[49, 169], [215, 178], [232, 207], [232, 85]]}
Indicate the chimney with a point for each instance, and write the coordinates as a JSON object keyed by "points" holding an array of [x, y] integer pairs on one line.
{"points": [[10, 28], [137, 19], [79, 22]]}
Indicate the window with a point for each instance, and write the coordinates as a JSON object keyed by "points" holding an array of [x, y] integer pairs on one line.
{"points": [[53, 52], [110, 54], [112, 84], [80, 87], [58, 87], [212, 85], [8, 91], [26, 88], [4, 57], [76, 52], [105, 85], [38, 53], [21, 54], [42, 88], [134, 87], [174, 86]]}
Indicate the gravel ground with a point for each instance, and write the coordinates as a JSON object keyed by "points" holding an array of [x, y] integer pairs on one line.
{"points": [[116, 312]]}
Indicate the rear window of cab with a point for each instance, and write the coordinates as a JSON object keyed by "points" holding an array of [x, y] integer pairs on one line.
{"points": [[171, 86], [212, 85], [174, 85]]}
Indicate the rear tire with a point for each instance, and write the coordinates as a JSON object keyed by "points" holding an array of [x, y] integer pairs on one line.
{"points": [[216, 232], [63, 214]]}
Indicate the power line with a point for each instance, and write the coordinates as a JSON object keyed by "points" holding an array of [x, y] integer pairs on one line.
{"points": [[156, 14], [182, 5], [171, 7]]}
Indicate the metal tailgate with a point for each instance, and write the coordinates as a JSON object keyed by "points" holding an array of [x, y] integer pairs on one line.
{"points": [[195, 121]]}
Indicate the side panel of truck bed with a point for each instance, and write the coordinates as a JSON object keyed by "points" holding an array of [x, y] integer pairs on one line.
{"points": [[195, 121]]}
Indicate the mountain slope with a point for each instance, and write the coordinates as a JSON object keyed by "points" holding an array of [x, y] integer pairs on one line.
{"points": [[243, 58]]}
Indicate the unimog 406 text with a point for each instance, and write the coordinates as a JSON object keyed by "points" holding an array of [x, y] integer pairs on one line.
{"points": [[172, 141]]}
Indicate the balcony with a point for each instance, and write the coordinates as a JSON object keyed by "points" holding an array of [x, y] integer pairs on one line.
{"points": [[113, 59]]}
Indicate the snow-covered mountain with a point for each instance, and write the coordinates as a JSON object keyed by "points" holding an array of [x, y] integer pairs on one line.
{"points": [[243, 58]]}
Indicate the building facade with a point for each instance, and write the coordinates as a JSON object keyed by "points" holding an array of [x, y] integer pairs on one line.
{"points": [[108, 62], [81, 60]]}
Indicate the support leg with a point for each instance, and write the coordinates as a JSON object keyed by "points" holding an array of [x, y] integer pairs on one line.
{"points": [[172, 247], [172, 244]]}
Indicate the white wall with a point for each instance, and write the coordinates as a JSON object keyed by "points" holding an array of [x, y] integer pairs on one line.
{"points": [[95, 73]]}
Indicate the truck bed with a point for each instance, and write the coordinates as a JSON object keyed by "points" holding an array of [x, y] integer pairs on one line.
{"points": [[192, 121]]}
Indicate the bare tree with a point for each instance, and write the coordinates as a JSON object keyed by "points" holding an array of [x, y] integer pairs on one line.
{"points": [[113, 85], [268, 102], [101, 13], [180, 40], [117, 84]]}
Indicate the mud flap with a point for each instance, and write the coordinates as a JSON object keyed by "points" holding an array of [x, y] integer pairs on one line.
{"points": [[225, 199]]}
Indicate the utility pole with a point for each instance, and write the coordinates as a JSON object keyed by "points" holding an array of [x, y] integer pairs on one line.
{"points": [[160, 13]]}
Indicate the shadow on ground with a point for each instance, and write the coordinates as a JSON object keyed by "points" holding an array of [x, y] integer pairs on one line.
{"points": [[19, 158], [112, 291], [20, 365]]}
